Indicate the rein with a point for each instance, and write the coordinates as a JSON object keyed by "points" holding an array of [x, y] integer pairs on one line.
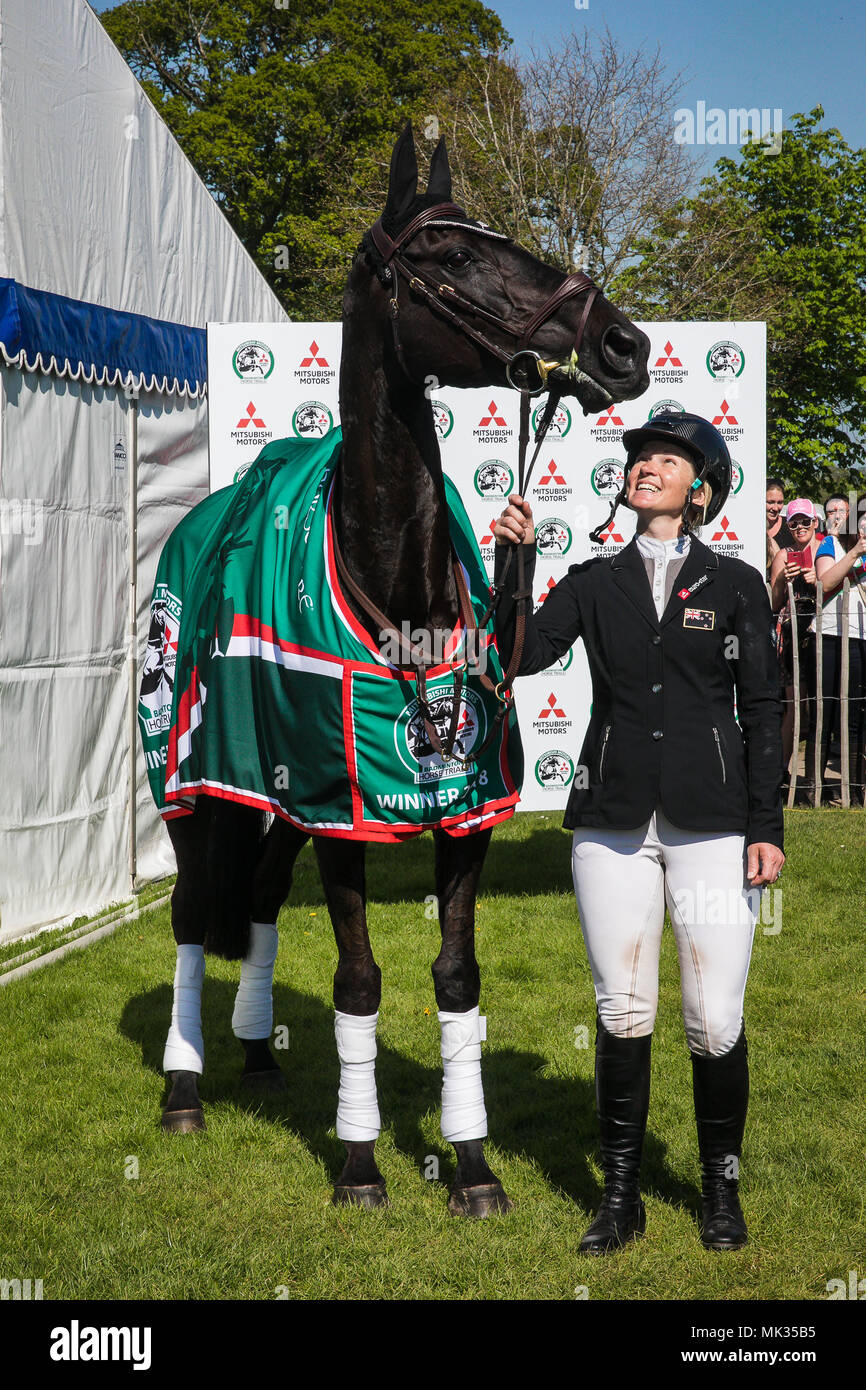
{"points": [[445, 300]]}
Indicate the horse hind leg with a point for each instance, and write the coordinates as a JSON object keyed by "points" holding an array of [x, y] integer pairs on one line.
{"points": [[252, 1020], [183, 1059], [476, 1191], [357, 993]]}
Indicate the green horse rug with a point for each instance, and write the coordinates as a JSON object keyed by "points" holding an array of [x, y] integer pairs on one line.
{"points": [[261, 686]]}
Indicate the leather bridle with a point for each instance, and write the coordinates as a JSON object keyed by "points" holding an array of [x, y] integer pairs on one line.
{"points": [[444, 299], [450, 304]]}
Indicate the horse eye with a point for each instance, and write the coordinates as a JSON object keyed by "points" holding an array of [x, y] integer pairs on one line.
{"points": [[456, 260]]}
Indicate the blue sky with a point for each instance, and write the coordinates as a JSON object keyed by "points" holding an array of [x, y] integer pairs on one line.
{"points": [[792, 54]]}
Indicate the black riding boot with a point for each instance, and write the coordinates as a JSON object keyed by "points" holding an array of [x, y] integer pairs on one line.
{"points": [[622, 1085], [721, 1088]]}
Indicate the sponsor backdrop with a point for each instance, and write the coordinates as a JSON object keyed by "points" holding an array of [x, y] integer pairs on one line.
{"points": [[269, 381]]}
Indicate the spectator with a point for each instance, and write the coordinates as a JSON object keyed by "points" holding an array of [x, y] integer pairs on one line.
{"points": [[840, 556], [778, 535], [796, 563]]}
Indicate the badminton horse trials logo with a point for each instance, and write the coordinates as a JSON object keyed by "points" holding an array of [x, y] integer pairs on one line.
{"points": [[554, 769], [157, 677], [725, 360], [312, 420], [443, 419], [253, 360], [559, 425], [414, 747], [607, 477], [493, 478], [553, 536]]}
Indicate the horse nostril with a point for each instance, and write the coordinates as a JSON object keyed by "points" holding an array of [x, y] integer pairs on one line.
{"points": [[619, 348]]}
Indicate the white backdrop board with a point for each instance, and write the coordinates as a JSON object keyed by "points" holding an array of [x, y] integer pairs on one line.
{"points": [[269, 381]]}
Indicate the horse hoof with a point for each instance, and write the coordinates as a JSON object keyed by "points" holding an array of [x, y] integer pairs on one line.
{"points": [[371, 1194], [270, 1082], [183, 1121], [485, 1199]]}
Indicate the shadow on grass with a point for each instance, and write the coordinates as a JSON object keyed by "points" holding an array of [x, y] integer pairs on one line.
{"points": [[540, 863], [547, 1121]]}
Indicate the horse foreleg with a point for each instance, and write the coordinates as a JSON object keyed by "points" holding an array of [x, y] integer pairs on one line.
{"points": [[476, 1190], [253, 1016], [357, 993]]}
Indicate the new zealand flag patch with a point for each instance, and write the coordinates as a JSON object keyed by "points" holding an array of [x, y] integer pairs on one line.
{"points": [[703, 618]]}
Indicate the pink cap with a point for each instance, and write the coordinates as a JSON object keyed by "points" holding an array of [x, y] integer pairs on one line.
{"points": [[801, 506]]}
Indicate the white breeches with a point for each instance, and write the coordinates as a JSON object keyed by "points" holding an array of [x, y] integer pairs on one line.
{"points": [[623, 879]]}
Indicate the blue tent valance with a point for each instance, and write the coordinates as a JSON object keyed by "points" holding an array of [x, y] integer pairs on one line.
{"points": [[46, 332]]}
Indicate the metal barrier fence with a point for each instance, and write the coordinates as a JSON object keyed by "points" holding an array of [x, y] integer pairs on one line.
{"points": [[821, 715]]}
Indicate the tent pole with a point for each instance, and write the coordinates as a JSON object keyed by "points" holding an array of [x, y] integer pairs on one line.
{"points": [[133, 630]]}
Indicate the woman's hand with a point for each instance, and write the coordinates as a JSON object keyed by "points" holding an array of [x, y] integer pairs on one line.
{"points": [[764, 864], [809, 576], [792, 569], [515, 526]]}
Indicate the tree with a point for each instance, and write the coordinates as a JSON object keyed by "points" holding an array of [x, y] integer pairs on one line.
{"points": [[779, 236], [289, 112], [571, 151]]}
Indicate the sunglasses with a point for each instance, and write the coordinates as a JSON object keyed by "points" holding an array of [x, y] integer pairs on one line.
{"points": [[797, 523]]}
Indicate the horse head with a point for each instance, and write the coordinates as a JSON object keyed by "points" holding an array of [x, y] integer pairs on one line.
{"points": [[502, 316]]}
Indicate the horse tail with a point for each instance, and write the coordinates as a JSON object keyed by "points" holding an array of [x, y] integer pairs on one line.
{"points": [[234, 841]]}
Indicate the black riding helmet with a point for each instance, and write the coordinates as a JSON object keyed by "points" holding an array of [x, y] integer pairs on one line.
{"points": [[701, 441]]}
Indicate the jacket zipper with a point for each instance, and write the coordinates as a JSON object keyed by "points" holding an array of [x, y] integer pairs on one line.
{"points": [[603, 749], [721, 754]]}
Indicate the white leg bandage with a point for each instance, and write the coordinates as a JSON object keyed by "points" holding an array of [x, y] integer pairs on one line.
{"points": [[357, 1108], [184, 1047], [253, 1016], [463, 1113]]}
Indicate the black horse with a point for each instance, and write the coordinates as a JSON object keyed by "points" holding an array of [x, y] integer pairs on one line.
{"points": [[429, 292]]}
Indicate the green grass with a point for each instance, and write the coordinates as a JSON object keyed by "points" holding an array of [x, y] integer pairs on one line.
{"points": [[243, 1210]]}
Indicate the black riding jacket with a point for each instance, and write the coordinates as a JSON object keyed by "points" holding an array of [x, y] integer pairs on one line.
{"points": [[662, 731]]}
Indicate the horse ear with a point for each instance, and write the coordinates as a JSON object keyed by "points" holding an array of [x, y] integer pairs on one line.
{"points": [[403, 181], [439, 182]]}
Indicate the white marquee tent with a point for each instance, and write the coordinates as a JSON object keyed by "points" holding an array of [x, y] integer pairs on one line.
{"points": [[113, 257]]}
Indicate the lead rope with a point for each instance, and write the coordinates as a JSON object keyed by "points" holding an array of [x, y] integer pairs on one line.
{"points": [[522, 596]]}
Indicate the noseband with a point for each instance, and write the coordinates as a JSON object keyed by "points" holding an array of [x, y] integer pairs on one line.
{"points": [[521, 365]]}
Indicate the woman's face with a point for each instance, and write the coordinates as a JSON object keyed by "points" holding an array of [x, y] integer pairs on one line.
{"points": [[802, 528], [775, 503], [660, 478]]}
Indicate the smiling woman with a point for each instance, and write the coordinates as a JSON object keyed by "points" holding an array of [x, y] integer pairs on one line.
{"points": [[675, 803]]}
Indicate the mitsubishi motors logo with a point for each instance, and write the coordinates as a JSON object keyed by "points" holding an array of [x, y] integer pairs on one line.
{"points": [[546, 591], [251, 429], [492, 428], [728, 425], [252, 419], [608, 427], [314, 358], [552, 476], [668, 369], [667, 358], [725, 417], [314, 369], [492, 416], [552, 708], [488, 539], [552, 719], [726, 533], [609, 534]]}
